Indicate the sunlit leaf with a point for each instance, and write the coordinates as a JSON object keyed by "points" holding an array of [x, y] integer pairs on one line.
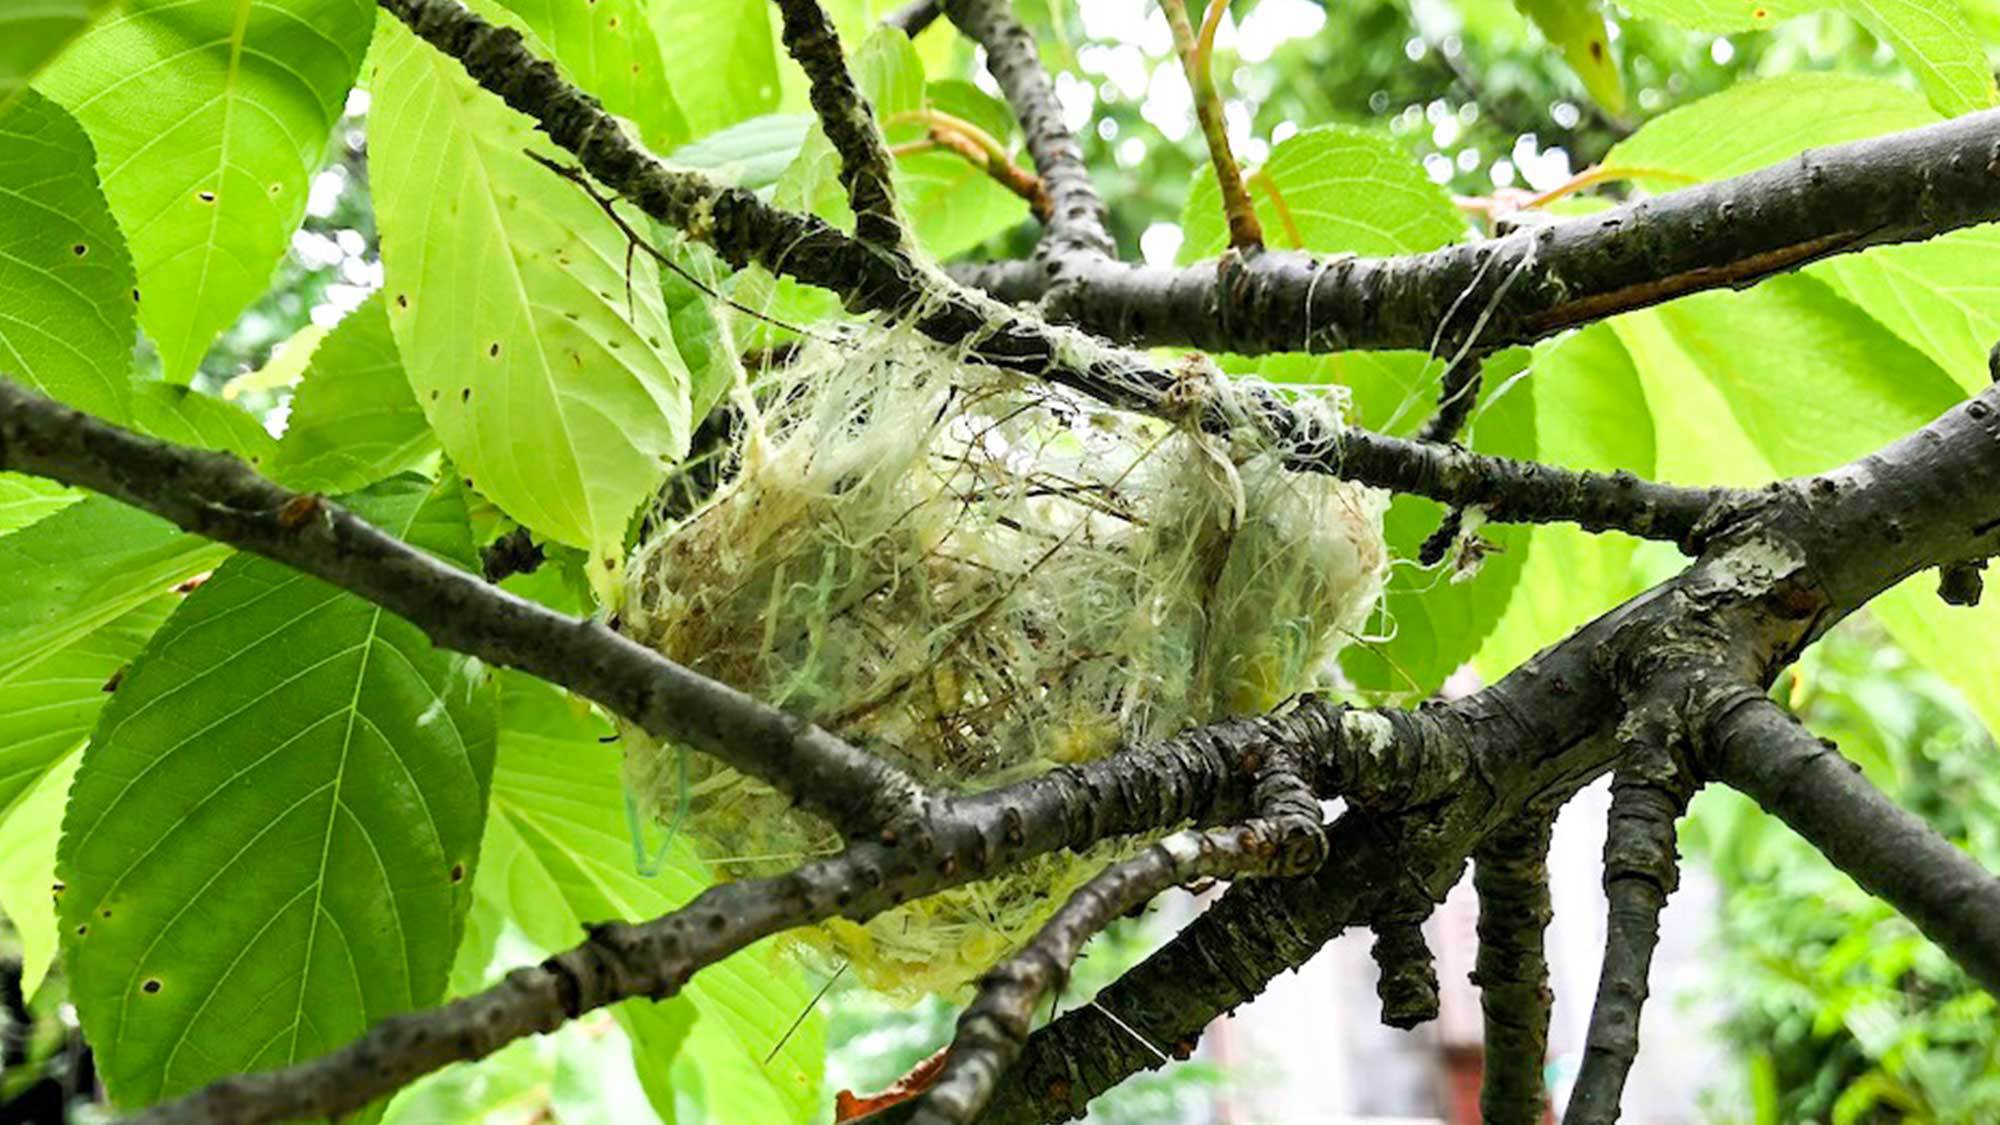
{"points": [[355, 419], [209, 119], [85, 567], [67, 328], [28, 835], [1332, 188], [1932, 37], [559, 854], [609, 48], [34, 31], [186, 416], [1590, 414], [552, 383], [723, 59], [271, 838]]}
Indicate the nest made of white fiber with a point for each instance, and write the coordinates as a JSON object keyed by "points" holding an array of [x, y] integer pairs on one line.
{"points": [[980, 577]]}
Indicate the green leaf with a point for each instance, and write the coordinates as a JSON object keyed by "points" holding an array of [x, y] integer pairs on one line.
{"points": [[1956, 642], [1591, 414], [1932, 37], [25, 499], [32, 32], [1937, 295], [67, 329], [702, 325], [723, 59], [28, 869], [269, 843], [1578, 29], [750, 154], [1435, 619], [608, 47], [558, 855], [1823, 384], [1934, 294], [186, 416], [85, 567], [1755, 124], [210, 119], [1342, 189], [509, 301], [48, 705], [1699, 439], [355, 419]]}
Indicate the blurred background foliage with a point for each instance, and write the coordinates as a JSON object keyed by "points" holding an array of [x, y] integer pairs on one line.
{"points": [[1840, 1011]]}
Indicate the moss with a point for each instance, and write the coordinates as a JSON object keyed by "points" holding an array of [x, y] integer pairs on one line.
{"points": [[981, 578]]}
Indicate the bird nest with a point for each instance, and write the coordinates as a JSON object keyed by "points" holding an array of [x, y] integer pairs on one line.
{"points": [[980, 577]]}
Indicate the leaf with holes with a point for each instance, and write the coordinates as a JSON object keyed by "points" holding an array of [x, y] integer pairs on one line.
{"points": [[269, 841], [354, 419], [547, 371], [558, 854], [67, 327], [209, 120]]}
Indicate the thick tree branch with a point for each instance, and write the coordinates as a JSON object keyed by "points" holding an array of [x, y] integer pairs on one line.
{"points": [[1641, 868], [1898, 188], [217, 496], [745, 229], [1774, 576], [1075, 231], [1756, 747], [1511, 875], [847, 118]]}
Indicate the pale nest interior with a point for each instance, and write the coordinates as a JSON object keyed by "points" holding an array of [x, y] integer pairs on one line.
{"points": [[980, 577]]}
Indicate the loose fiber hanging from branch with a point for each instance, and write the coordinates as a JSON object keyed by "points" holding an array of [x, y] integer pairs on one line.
{"points": [[981, 577]]}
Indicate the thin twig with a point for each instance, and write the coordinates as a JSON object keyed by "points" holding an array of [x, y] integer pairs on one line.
{"points": [[1246, 234], [1076, 226]]}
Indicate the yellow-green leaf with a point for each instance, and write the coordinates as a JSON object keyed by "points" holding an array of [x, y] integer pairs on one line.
{"points": [[552, 383]]}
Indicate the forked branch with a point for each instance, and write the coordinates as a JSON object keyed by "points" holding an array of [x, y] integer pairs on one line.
{"points": [[848, 120]]}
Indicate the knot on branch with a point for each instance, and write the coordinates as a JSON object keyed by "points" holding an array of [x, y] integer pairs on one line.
{"points": [[1961, 584], [1408, 984]]}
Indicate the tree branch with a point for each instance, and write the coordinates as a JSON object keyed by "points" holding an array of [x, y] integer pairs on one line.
{"points": [[1511, 875], [1075, 231], [847, 118], [1756, 747], [216, 496], [914, 17], [1903, 187], [1641, 868], [1776, 575], [743, 229]]}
